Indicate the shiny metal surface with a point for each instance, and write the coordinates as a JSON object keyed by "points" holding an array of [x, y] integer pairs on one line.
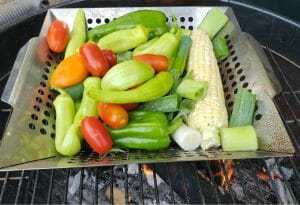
{"points": [[28, 78]]}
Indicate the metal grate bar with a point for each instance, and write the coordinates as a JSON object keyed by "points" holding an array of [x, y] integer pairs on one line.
{"points": [[3, 186], [50, 187], [286, 182], [96, 186], [19, 187], [261, 196], [198, 183], [170, 184], [213, 181], [81, 185], [295, 168], [126, 185], [141, 185], [221, 165], [111, 183], [66, 186], [236, 165], [155, 184], [34, 186], [184, 185]]}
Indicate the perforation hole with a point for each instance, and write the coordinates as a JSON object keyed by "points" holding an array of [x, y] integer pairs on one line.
{"points": [[43, 131], [226, 65], [228, 41], [45, 122], [235, 91], [89, 21], [182, 19], [258, 117], [34, 117], [226, 36], [242, 78], [50, 97], [231, 77], [47, 113], [38, 100], [232, 53], [50, 57], [45, 77], [233, 84], [191, 28], [106, 20], [190, 19], [49, 105], [245, 85], [89, 28], [228, 97], [36, 108], [40, 91], [48, 63], [183, 27], [230, 104], [230, 47], [47, 70], [52, 135], [226, 89], [98, 21], [42, 84], [229, 70], [239, 71], [31, 126], [235, 58], [237, 65], [224, 82]]}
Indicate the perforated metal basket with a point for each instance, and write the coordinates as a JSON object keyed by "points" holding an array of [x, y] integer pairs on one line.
{"points": [[28, 141]]}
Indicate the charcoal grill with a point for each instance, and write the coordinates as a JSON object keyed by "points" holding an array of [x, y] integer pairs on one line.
{"points": [[52, 186]]}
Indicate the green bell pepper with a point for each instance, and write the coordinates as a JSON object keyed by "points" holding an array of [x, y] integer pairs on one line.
{"points": [[150, 90], [145, 130], [124, 40], [155, 21]]}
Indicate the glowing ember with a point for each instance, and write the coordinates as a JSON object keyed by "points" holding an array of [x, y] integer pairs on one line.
{"points": [[263, 176], [147, 170], [229, 170]]}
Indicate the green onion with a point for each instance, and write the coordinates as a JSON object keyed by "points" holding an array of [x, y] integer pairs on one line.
{"points": [[165, 104], [186, 107], [187, 138], [174, 125], [220, 48], [238, 139], [180, 60], [213, 22], [243, 109], [191, 89]]}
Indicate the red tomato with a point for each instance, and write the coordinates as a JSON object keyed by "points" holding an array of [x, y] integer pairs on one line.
{"points": [[94, 59], [158, 62], [130, 106], [58, 36], [113, 114], [110, 57], [96, 135]]}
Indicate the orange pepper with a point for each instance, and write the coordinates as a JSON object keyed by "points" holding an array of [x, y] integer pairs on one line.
{"points": [[69, 72]]}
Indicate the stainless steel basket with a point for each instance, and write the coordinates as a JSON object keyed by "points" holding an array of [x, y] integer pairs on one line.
{"points": [[28, 141]]}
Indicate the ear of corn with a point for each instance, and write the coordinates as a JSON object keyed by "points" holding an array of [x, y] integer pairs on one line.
{"points": [[210, 114]]}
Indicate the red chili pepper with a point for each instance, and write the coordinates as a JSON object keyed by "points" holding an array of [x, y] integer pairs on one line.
{"points": [[110, 57], [96, 135], [158, 62], [94, 59], [58, 36]]}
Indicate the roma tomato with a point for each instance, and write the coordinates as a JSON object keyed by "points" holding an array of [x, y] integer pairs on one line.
{"points": [[110, 57], [113, 114], [96, 135], [158, 62], [58, 36], [94, 59], [130, 106]]}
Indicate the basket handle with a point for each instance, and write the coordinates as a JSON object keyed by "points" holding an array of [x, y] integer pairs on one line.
{"points": [[26, 60]]}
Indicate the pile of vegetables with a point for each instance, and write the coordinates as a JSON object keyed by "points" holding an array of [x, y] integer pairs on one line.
{"points": [[138, 83]]}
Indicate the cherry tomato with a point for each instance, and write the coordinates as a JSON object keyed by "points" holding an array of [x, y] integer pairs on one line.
{"points": [[58, 36], [113, 114], [96, 135], [158, 62], [130, 106], [110, 57], [94, 59]]}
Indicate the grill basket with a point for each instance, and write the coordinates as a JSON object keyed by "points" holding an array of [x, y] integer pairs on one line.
{"points": [[28, 141]]}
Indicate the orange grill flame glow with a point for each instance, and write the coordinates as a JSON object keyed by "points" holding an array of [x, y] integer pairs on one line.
{"points": [[147, 170], [229, 170]]}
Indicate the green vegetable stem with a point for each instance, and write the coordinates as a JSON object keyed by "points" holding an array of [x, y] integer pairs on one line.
{"points": [[78, 34], [124, 40], [220, 48], [145, 130], [154, 21], [150, 90]]}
